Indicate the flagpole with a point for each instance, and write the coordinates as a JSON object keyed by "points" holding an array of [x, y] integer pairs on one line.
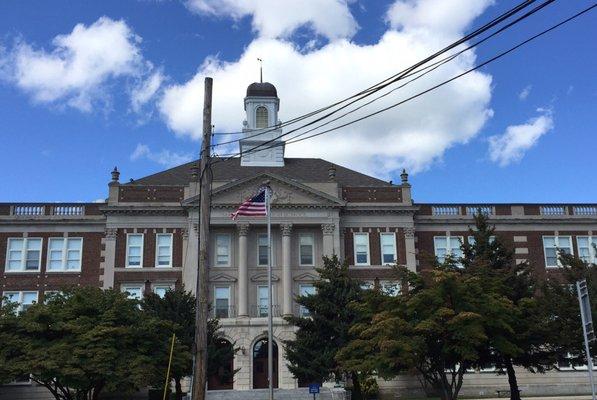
{"points": [[270, 336]]}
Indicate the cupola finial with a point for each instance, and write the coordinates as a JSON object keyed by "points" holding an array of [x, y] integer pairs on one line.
{"points": [[115, 175], [260, 69]]}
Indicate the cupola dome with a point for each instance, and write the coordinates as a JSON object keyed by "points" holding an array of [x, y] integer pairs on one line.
{"points": [[261, 89]]}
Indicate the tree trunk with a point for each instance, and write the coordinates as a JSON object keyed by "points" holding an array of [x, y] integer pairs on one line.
{"points": [[178, 388], [356, 387], [514, 393]]}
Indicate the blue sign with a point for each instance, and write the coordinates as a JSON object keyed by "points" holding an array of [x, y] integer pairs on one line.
{"points": [[314, 388]]}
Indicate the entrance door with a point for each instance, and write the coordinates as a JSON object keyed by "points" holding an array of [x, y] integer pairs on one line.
{"points": [[260, 365]]}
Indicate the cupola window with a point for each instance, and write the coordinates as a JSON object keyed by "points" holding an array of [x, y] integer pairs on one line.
{"points": [[261, 117]]}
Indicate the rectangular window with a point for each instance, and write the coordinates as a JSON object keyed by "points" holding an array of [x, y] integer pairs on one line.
{"points": [[305, 290], [388, 248], [471, 240], [361, 249], [262, 250], [367, 285], [222, 300], [389, 288], [262, 301], [586, 248], [24, 299], [552, 245], [23, 254], [306, 255], [223, 249], [133, 291], [447, 245], [163, 250], [161, 290], [64, 254], [134, 250]]}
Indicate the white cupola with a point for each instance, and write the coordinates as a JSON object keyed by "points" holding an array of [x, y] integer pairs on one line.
{"points": [[262, 149]]}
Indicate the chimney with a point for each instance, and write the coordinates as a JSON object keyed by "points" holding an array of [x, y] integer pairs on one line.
{"points": [[114, 187], [406, 188]]}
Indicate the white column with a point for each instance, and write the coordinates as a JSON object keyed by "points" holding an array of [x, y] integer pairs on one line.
{"points": [[109, 258], [409, 247], [243, 272], [328, 239], [191, 258], [286, 268]]}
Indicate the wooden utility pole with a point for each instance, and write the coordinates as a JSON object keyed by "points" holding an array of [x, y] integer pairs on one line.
{"points": [[205, 178]]}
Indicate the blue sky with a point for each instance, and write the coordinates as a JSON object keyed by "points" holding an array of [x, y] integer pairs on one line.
{"points": [[522, 130]]}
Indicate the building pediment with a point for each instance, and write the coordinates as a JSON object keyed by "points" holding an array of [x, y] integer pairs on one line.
{"points": [[285, 193], [262, 277], [306, 277], [222, 278]]}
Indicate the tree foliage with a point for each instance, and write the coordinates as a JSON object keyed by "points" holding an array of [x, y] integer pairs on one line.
{"points": [[311, 355]]}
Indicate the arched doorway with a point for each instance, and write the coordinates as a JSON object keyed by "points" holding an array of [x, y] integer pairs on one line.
{"points": [[260, 364], [220, 377]]}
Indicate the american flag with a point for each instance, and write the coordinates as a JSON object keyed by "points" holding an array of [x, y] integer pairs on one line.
{"points": [[253, 207]]}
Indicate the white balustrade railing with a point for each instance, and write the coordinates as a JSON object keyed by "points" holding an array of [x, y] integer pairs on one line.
{"points": [[553, 210], [584, 210], [68, 210], [486, 210], [28, 210], [446, 210]]}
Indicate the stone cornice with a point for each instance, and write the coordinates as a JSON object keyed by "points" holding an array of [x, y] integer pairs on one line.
{"points": [[139, 210]]}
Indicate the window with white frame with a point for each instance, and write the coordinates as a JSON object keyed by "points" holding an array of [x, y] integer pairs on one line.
{"points": [[64, 254], [161, 290], [361, 249], [23, 254], [586, 248], [306, 289], [23, 299], [367, 285], [262, 300], [163, 250], [388, 247], [389, 288], [572, 363], [223, 249], [134, 250], [48, 294], [471, 240], [262, 249], [261, 118], [447, 245], [133, 291], [222, 302], [306, 255], [552, 245]]}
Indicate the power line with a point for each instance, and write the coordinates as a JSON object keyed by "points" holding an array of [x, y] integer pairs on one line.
{"points": [[386, 82], [498, 56]]}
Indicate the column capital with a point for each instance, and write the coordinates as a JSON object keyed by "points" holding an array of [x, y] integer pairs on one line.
{"points": [[286, 229], [185, 233], [409, 232], [110, 233], [328, 229], [243, 229]]}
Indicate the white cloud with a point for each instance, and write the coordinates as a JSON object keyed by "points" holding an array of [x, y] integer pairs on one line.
{"points": [[165, 158], [146, 90], [511, 146], [524, 93], [78, 70], [274, 18], [413, 135]]}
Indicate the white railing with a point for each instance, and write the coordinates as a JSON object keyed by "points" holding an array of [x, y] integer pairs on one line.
{"points": [[446, 210], [68, 210], [584, 210], [553, 210], [28, 210], [486, 210]]}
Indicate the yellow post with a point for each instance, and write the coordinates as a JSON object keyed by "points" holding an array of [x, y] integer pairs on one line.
{"points": [[169, 364]]}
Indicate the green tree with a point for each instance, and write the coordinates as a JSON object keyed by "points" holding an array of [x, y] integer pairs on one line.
{"points": [[86, 341], [559, 295], [435, 328], [9, 341], [518, 336], [312, 353], [177, 309]]}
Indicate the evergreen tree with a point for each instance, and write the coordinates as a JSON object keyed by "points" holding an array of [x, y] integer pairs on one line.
{"points": [[312, 353], [518, 337]]}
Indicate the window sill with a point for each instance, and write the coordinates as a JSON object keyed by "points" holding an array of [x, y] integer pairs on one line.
{"points": [[23, 272], [163, 266], [133, 266], [64, 271]]}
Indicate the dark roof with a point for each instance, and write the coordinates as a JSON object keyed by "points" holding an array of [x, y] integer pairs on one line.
{"points": [[262, 89], [299, 169]]}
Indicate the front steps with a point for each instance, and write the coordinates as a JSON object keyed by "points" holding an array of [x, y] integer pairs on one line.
{"points": [[279, 394]]}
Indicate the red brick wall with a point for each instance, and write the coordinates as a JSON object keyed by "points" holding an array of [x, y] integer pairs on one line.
{"points": [[374, 244], [149, 243], [90, 264]]}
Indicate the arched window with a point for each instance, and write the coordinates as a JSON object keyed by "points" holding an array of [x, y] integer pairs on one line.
{"points": [[260, 373], [261, 117]]}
